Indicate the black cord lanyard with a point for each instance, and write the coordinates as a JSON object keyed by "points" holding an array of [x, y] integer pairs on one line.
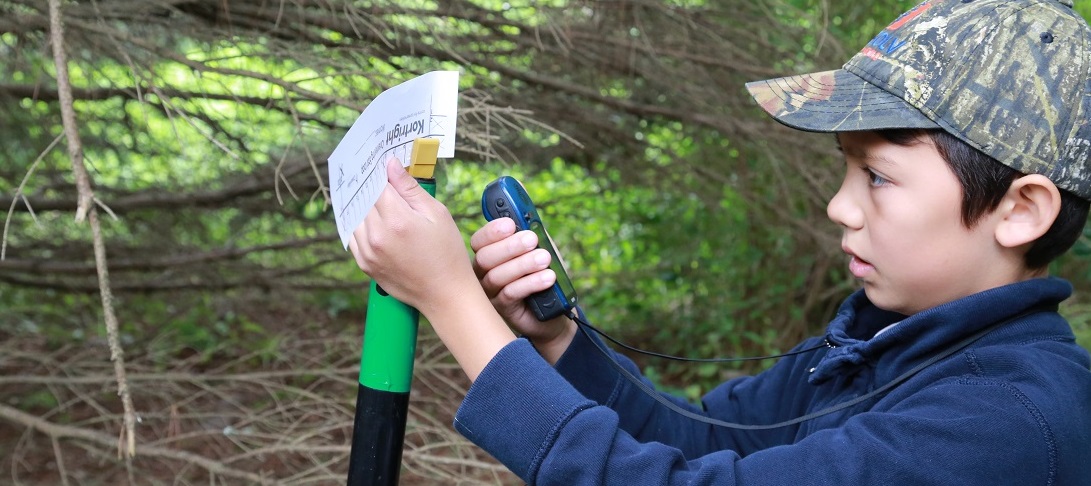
{"points": [[584, 326]]}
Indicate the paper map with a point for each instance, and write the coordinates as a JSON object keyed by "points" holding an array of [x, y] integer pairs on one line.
{"points": [[423, 107]]}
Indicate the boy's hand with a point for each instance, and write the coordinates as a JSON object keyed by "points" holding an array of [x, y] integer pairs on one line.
{"points": [[510, 267], [410, 246]]}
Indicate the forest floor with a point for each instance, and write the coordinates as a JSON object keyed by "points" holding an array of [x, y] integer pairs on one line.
{"points": [[282, 415]]}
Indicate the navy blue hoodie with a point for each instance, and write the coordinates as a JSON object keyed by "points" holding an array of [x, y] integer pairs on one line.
{"points": [[1013, 407]]}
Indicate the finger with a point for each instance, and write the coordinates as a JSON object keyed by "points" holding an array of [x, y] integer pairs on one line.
{"points": [[359, 246], [489, 257], [518, 290], [405, 185], [390, 209], [379, 232], [505, 274], [492, 232]]}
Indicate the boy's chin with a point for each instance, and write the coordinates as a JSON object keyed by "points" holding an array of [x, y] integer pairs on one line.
{"points": [[889, 303]]}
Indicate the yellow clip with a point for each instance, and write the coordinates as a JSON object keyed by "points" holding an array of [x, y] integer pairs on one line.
{"points": [[422, 161]]}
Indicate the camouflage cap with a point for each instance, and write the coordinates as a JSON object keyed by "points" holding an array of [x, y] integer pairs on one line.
{"points": [[1010, 77]]}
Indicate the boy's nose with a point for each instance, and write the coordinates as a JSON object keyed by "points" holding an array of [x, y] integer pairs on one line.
{"points": [[843, 211]]}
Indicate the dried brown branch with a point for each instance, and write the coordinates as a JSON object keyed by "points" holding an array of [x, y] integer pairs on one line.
{"points": [[86, 209], [139, 93], [288, 423], [18, 195], [70, 268], [156, 199], [57, 431]]}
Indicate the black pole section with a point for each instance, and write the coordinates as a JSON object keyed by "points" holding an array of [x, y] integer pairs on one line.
{"points": [[380, 418], [386, 366]]}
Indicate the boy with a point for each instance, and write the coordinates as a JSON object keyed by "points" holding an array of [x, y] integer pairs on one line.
{"points": [[965, 131]]}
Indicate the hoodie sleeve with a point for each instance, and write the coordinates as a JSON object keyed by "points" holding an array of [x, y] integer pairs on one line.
{"points": [[587, 424], [529, 417]]}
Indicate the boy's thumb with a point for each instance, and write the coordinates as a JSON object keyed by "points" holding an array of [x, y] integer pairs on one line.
{"points": [[406, 186]]}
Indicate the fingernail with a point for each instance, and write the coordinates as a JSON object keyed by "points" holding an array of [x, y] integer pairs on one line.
{"points": [[529, 240], [541, 258]]}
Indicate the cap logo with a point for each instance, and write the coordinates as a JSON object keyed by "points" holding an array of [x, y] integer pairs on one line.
{"points": [[886, 43], [883, 44]]}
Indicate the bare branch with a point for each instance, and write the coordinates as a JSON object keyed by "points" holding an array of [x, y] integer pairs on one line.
{"points": [[156, 199], [86, 208], [19, 194], [57, 431]]}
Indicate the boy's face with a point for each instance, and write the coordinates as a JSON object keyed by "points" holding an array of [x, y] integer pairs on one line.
{"points": [[900, 210]]}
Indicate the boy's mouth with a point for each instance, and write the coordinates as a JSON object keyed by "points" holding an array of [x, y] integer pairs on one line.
{"points": [[859, 267]]}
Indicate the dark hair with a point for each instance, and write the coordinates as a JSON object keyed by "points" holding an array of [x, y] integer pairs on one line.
{"points": [[984, 182]]}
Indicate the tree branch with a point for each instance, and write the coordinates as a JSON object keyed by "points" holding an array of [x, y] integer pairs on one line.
{"points": [[56, 266], [86, 208], [58, 431], [251, 185]]}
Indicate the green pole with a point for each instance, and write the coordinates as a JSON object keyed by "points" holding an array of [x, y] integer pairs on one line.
{"points": [[382, 399], [386, 361]]}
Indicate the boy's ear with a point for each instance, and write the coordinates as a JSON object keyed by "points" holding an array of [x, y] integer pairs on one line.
{"points": [[1027, 210]]}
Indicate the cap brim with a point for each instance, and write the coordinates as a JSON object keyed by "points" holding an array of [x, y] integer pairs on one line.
{"points": [[835, 101]]}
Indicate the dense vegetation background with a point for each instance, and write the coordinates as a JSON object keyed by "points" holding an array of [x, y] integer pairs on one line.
{"points": [[171, 282]]}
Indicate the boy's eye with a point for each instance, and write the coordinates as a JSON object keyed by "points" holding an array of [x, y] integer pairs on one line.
{"points": [[874, 178]]}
